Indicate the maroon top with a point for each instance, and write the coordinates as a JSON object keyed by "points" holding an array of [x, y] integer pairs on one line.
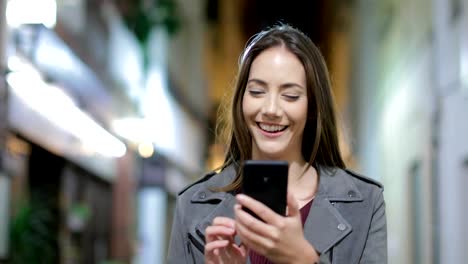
{"points": [[259, 259]]}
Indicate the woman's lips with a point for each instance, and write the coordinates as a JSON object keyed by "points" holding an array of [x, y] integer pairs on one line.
{"points": [[271, 130]]}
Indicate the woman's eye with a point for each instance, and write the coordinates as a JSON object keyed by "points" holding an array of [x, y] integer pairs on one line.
{"points": [[256, 92], [291, 97]]}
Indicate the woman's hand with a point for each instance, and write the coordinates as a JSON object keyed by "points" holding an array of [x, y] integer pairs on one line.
{"points": [[220, 246], [280, 239]]}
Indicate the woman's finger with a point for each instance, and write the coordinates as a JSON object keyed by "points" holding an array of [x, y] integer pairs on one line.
{"points": [[252, 240], [224, 221], [216, 244], [293, 206], [255, 235], [216, 232], [224, 251], [254, 225], [213, 251], [259, 209]]}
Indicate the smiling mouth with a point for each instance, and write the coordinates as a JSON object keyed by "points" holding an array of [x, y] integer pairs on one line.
{"points": [[271, 128]]}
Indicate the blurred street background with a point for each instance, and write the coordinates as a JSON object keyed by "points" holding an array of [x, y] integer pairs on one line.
{"points": [[108, 109]]}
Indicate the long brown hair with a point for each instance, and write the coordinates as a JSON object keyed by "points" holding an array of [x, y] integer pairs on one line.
{"points": [[320, 141]]}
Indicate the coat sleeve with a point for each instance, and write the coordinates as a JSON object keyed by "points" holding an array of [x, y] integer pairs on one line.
{"points": [[375, 250], [177, 252]]}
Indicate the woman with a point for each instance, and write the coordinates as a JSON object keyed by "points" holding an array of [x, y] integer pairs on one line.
{"points": [[282, 109]]}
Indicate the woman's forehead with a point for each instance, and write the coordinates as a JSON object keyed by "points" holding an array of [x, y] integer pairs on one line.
{"points": [[277, 65]]}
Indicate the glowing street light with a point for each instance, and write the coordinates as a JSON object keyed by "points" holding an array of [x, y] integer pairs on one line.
{"points": [[21, 12]]}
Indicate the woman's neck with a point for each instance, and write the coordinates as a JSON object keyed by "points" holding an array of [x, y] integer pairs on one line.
{"points": [[302, 181]]}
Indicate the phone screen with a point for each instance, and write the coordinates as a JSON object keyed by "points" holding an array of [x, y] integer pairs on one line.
{"points": [[267, 182]]}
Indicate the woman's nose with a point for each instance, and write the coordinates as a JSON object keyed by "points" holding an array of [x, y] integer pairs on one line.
{"points": [[271, 106]]}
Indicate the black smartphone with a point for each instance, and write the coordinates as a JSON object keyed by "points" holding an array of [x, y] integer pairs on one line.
{"points": [[267, 182]]}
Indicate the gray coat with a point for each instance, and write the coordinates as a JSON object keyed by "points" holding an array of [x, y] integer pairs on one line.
{"points": [[346, 223]]}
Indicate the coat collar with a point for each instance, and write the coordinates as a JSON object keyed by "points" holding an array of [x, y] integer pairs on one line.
{"points": [[226, 201], [336, 185], [324, 226]]}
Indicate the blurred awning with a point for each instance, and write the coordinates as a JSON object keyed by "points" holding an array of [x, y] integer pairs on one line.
{"points": [[58, 102]]}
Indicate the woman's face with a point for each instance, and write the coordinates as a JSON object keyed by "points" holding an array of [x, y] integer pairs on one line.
{"points": [[275, 105]]}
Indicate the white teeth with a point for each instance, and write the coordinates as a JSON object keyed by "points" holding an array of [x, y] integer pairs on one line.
{"points": [[271, 128]]}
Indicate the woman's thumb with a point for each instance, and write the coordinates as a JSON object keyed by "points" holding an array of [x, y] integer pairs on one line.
{"points": [[293, 206]]}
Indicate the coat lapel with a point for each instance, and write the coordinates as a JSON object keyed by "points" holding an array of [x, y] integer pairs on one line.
{"points": [[224, 208], [325, 226], [224, 201]]}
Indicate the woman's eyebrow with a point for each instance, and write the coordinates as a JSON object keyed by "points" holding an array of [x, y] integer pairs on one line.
{"points": [[283, 86], [257, 81], [291, 85]]}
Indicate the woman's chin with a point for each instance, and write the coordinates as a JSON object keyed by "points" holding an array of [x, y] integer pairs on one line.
{"points": [[273, 154]]}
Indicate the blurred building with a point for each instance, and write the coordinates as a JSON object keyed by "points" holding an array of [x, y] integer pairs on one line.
{"points": [[409, 105], [399, 76], [94, 126]]}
